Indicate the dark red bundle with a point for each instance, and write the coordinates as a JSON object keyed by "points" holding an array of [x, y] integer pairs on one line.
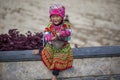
{"points": [[16, 41]]}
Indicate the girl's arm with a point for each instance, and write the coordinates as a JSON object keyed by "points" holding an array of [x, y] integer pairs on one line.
{"points": [[48, 36], [65, 33]]}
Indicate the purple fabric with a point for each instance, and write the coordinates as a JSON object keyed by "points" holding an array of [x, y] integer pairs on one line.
{"points": [[57, 9], [65, 33], [48, 37]]}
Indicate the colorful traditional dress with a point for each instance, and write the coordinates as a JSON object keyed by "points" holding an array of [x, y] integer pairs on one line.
{"points": [[53, 58]]}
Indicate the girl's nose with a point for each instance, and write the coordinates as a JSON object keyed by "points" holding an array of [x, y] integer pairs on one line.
{"points": [[55, 18]]}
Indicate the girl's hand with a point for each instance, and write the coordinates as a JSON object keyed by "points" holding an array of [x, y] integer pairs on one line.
{"points": [[54, 38], [35, 51], [58, 34]]}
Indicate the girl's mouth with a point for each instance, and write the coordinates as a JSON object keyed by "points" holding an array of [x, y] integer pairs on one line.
{"points": [[56, 22]]}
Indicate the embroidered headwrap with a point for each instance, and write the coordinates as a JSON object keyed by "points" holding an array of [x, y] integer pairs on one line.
{"points": [[57, 9]]}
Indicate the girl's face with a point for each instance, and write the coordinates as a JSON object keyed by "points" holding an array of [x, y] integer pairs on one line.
{"points": [[56, 19]]}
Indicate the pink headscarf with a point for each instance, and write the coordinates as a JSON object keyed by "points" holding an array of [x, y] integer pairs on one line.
{"points": [[57, 9]]}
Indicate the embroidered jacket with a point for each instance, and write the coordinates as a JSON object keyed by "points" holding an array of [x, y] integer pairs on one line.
{"points": [[64, 30]]}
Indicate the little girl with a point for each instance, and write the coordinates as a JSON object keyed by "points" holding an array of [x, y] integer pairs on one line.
{"points": [[57, 59]]}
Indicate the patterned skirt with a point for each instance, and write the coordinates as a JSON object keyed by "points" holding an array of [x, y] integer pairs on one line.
{"points": [[57, 59]]}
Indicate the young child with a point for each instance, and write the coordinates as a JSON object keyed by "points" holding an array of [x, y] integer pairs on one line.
{"points": [[57, 59]]}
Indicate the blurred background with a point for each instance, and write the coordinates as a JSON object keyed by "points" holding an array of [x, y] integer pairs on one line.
{"points": [[95, 22]]}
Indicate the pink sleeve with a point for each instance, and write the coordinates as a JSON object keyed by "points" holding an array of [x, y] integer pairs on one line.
{"points": [[65, 33], [48, 37]]}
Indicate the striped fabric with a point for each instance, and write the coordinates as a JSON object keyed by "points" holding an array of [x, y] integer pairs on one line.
{"points": [[55, 59]]}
